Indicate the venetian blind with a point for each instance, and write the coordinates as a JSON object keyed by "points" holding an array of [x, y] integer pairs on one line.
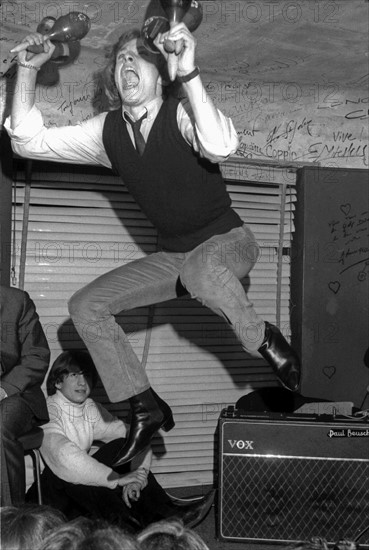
{"points": [[81, 222]]}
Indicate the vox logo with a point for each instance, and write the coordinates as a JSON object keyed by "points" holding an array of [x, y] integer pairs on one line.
{"points": [[241, 444]]}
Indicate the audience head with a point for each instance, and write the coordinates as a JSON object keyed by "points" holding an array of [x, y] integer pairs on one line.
{"points": [[86, 534], [170, 535], [69, 535], [26, 527], [109, 537], [71, 362]]}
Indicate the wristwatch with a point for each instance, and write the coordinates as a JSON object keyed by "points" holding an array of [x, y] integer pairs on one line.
{"points": [[189, 76]]}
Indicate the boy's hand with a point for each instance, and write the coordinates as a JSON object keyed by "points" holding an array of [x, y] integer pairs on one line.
{"points": [[138, 476], [130, 493]]}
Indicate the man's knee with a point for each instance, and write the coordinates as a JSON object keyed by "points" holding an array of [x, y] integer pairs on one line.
{"points": [[80, 305], [16, 418], [196, 276], [11, 430], [6, 432]]}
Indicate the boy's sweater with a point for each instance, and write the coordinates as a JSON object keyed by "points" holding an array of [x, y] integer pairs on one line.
{"points": [[68, 438]]}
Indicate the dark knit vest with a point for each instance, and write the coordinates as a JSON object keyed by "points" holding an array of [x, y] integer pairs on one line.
{"points": [[183, 195]]}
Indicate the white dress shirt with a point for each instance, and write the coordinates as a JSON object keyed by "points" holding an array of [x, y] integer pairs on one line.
{"points": [[82, 143]]}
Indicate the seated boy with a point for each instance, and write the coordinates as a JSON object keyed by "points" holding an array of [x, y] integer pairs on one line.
{"points": [[78, 483]]}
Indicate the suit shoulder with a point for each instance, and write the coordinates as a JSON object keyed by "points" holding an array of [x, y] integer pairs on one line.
{"points": [[10, 295]]}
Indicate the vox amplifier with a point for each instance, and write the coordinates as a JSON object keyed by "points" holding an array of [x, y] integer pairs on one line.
{"points": [[289, 478]]}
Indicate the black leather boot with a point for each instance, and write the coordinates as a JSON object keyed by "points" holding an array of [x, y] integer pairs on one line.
{"points": [[192, 514], [149, 414], [282, 358], [167, 412]]}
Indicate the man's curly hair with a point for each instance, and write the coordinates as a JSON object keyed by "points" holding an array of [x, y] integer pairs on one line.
{"points": [[108, 81]]}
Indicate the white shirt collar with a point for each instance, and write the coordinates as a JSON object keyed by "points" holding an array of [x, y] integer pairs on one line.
{"points": [[152, 109]]}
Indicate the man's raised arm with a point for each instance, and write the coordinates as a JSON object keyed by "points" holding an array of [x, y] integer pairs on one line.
{"points": [[77, 144], [28, 66]]}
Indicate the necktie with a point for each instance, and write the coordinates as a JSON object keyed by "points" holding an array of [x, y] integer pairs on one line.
{"points": [[139, 139]]}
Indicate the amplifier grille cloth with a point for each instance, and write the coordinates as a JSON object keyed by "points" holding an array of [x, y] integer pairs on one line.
{"points": [[280, 498]]}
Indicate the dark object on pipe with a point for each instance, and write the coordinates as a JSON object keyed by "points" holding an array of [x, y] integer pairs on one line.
{"points": [[67, 29], [157, 22], [175, 10]]}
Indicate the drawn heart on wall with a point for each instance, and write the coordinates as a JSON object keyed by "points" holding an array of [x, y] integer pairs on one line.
{"points": [[334, 286], [330, 371], [345, 209]]}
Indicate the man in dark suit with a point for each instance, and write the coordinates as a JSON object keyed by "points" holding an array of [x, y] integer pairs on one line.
{"points": [[24, 355]]}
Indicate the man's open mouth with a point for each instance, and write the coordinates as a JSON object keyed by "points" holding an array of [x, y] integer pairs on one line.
{"points": [[130, 78]]}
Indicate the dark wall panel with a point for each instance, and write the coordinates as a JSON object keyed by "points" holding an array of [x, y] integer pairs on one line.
{"points": [[5, 208], [331, 282]]}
